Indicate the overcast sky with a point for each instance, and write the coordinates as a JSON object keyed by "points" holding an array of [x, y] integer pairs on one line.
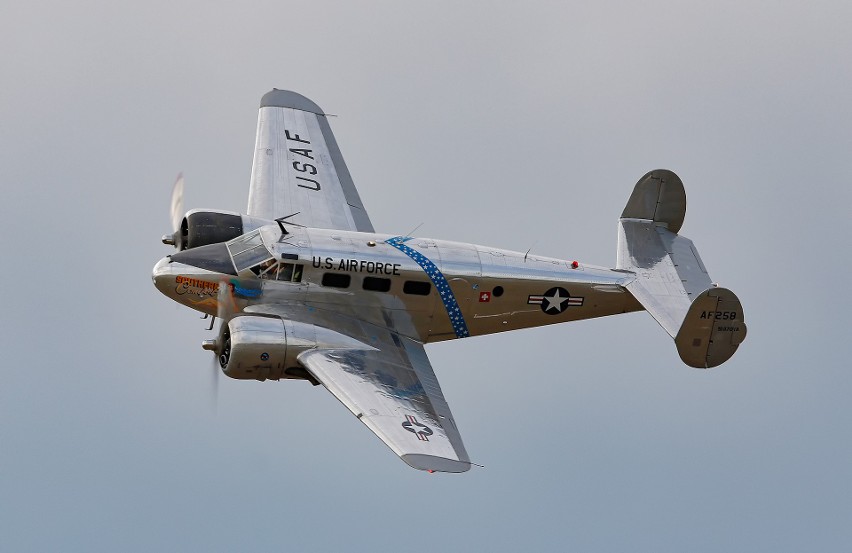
{"points": [[514, 125]]}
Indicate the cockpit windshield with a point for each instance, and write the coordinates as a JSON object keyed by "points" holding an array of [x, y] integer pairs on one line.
{"points": [[248, 250]]}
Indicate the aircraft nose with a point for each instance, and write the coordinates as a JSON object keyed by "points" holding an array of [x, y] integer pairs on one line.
{"points": [[162, 270]]}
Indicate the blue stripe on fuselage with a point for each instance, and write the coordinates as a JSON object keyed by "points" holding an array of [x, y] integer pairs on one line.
{"points": [[446, 294]]}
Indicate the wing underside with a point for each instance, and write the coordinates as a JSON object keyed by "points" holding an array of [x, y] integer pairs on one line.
{"points": [[389, 386], [397, 396], [298, 168]]}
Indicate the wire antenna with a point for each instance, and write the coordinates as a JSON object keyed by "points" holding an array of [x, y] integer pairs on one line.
{"points": [[282, 220], [413, 230], [529, 250]]}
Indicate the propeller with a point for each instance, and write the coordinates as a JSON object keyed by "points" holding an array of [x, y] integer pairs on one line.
{"points": [[176, 213], [221, 345], [177, 202], [214, 383]]}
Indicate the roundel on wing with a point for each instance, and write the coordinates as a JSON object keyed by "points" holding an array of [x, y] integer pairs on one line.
{"points": [[418, 428]]}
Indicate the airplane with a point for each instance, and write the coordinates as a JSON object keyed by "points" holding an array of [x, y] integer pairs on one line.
{"points": [[306, 289]]}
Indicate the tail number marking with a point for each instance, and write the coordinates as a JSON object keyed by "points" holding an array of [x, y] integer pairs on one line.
{"points": [[719, 315]]}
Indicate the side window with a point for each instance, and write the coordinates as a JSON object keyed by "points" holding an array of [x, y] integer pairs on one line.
{"points": [[290, 272], [286, 272], [377, 284], [336, 280], [417, 287]]}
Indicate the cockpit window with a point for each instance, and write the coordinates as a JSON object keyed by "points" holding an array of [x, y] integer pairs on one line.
{"points": [[267, 269], [248, 250], [285, 272]]}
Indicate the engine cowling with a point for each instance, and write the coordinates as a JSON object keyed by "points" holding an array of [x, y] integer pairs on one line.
{"points": [[200, 227], [258, 347]]}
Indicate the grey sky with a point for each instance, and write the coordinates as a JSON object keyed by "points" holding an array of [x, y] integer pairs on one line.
{"points": [[515, 125]]}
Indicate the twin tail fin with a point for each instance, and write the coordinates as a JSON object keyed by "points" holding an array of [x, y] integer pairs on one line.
{"points": [[671, 282]]}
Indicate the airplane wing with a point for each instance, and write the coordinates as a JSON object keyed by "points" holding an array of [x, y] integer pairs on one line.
{"points": [[392, 389], [298, 168]]}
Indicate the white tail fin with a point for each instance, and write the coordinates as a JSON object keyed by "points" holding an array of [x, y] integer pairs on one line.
{"points": [[671, 282]]}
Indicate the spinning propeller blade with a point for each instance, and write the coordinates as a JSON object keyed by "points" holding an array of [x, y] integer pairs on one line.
{"points": [[177, 203], [225, 308], [221, 345], [214, 382], [225, 303], [176, 214]]}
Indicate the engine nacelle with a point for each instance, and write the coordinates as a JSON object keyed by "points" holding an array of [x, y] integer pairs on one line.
{"points": [[256, 347], [201, 227]]}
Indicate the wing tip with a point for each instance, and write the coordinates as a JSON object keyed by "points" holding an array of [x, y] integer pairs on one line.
{"points": [[432, 463], [276, 98]]}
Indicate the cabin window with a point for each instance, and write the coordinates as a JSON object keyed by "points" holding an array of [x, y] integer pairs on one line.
{"points": [[417, 287], [290, 272], [285, 272], [377, 284], [336, 280]]}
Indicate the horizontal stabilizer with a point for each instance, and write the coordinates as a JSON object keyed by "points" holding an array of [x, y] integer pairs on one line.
{"points": [[669, 271]]}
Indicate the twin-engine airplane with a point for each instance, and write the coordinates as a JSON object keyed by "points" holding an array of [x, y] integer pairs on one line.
{"points": [[306, 289]]}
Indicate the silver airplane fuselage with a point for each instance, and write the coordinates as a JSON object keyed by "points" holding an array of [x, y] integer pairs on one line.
{"points": [[444, 289], [317, 295]]}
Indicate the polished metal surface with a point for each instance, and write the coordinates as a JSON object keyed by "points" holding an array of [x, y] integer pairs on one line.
{"points": [[321, 296], [669, 272], [298, 168], [393, 390]]}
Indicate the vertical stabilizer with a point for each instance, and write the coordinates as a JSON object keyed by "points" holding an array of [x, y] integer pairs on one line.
{"points": [[712, 329]]}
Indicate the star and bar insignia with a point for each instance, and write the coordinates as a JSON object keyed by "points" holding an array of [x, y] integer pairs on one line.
{"points": [[555, 301], [418, 428]]}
